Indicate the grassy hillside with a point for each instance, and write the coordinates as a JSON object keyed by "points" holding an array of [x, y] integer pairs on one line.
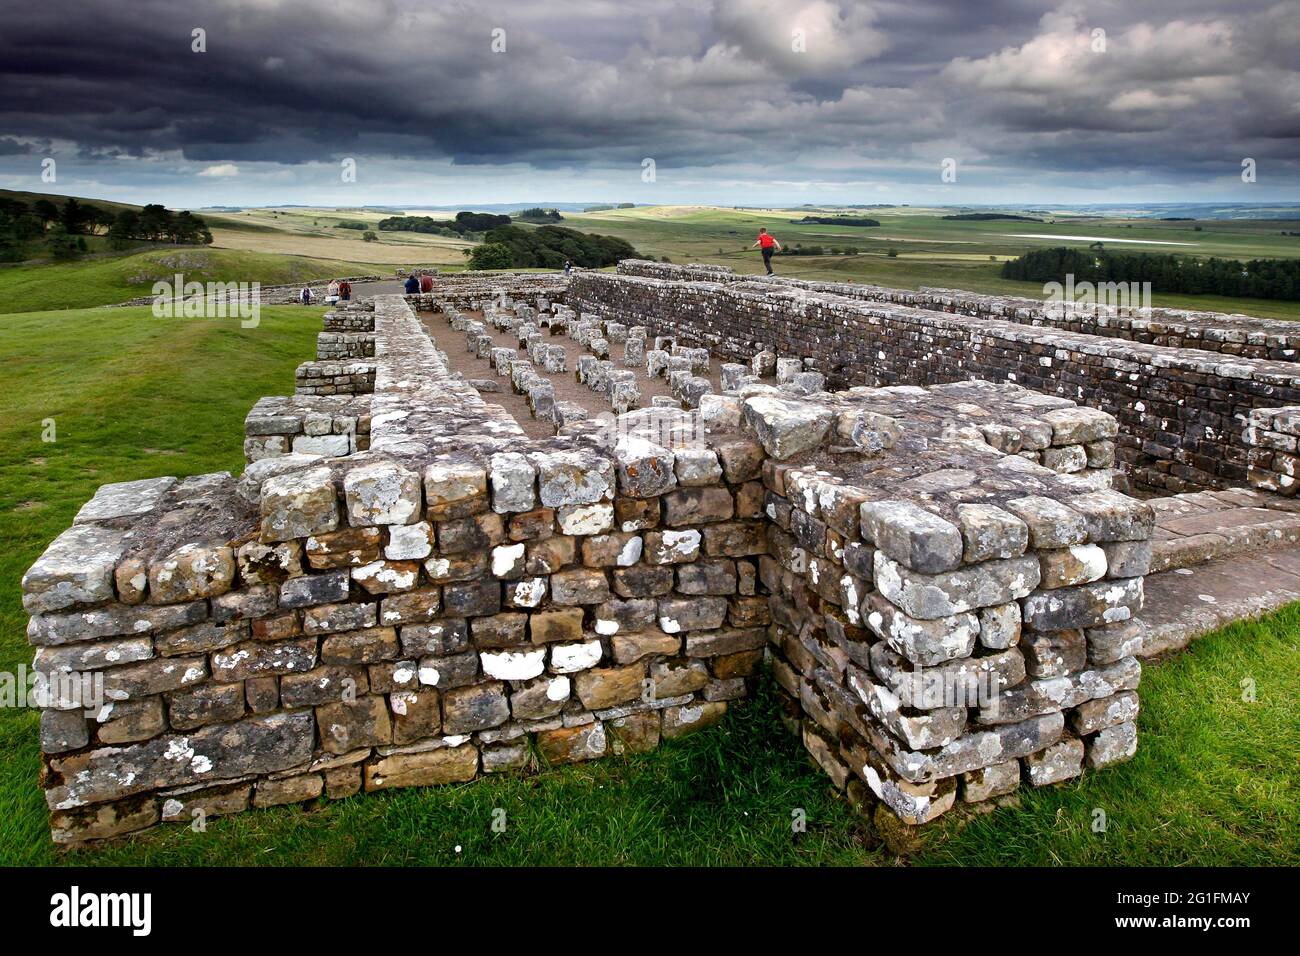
{"points": [[59, 199], [131, 396], [106, 281]]}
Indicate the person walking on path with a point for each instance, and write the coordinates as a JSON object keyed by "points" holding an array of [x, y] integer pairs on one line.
{"points": [[332, 291], [768, 244], [412, 285], [426, 282], [305, 295], [345, 290]]}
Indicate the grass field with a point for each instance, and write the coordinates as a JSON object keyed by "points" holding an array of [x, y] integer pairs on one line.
{"points": [[315, 232], [131, 396], [75, 285]]}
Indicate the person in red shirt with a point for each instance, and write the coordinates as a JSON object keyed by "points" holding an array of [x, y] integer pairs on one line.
{"points": [[426, 282], [767, 242]]}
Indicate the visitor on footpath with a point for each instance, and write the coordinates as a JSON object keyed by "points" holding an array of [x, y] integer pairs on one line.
{"points": [[412, 285], [345, 290], [332, 291], [567, 266], [426, 282], [305, 295], [767, 242]]}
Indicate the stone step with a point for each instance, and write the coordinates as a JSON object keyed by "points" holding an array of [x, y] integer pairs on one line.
{"points": [[1196, 528], [1185, 603]]}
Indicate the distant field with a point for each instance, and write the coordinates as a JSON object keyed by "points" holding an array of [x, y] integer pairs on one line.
{"points": [[315, 232], [931, 251], [108, 281], [391, 249]]}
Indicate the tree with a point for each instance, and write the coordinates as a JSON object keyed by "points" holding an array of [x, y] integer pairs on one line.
{"points": [[46, 211], [491, 255], [99, 221], [62, 244], [126, 225], [370, 236]]}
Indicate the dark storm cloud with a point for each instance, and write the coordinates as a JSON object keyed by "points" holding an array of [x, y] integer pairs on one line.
{"points": [[1183, 87]]}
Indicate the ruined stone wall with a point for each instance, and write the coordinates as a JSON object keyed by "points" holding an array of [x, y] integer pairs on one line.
{"points": [[1271, 437], [1229, 334], [448, 603], [471, 290], [949, 623], [454, 599], [1181, 411]]}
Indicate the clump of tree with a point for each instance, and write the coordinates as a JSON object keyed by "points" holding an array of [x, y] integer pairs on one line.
{"points": [[538, 214], [351, 224], [1167, 272], [549, 247], [63, 230], [462, 225], [989, 217], [154, 223], [19, 225], [836, 221]]}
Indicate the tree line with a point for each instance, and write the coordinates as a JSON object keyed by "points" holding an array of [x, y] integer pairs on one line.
{"points": [[548, 247], [836, 221], [464, 223], [63, 230], [1167, 272]]}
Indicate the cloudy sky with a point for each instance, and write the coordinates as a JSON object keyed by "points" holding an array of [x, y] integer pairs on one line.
{"points": [[734, 101]]}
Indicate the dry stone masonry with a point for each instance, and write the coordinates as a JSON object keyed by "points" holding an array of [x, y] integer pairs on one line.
{"points": [[1181, 393], [933, 561]]}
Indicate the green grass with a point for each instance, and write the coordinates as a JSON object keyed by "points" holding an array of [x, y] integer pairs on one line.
{"points": [[1216, 779], [132, 396], [76, 285]]}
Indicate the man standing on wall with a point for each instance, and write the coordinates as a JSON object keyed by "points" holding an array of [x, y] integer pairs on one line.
{"points": [[767, 242]]}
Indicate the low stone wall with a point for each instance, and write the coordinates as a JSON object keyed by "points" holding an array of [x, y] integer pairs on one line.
{"points": [[331, 425], [949, 622], [472, 290], [345, 345], [1271, 437], [1228, 334], [443, 605], [457, 599], [1181, 411]]}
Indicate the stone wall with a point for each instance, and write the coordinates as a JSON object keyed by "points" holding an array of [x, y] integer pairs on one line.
{"points": [[1229, 334], [454, 599], [1270, 437], [446, 604], [1181, 411], [949, 622]]}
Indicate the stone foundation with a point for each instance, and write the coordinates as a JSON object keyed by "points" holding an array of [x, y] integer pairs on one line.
{"points": [[941, 579], [1181, 410]]}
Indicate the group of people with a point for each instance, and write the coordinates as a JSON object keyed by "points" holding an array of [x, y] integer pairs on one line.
{"points": [[339, 290], [421, 282]]}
